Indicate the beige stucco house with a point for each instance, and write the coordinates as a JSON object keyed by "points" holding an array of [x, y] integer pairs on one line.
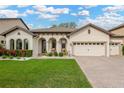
{"points": [[89, 40]]}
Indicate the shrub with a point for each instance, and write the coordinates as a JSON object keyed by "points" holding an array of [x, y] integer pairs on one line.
{"points": [[18, 57], [60, 54], [123, 50], [4, 56], [12, 52], [28, 53], [11, 57], [55, 54], [2, 51], [50, 54]]}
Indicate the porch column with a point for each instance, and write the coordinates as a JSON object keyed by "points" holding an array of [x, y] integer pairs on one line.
{"points": [[14, 44], [47, 46], [57, 46]]}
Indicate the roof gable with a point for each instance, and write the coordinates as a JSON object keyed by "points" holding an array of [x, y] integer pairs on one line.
{"points": [[91, 25], [16, 19], [15, 28]]}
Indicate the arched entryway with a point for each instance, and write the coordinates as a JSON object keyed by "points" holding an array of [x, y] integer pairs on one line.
{"points": [[52, 44], [42, 46], [63, 44]]}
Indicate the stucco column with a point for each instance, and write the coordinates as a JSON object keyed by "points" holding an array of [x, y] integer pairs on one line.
{"points": [[47, 45], [57, 46], [14, 44], [107, 49]]}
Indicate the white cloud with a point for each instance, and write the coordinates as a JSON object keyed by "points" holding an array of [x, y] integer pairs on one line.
{"points": [[80, 8], [107, 20], [89, 6], [11, 13], [48, 16], [114, 8], [81, 13], [30, 26], [45, 9], [22, 6], [4, 6], [30, 12]]}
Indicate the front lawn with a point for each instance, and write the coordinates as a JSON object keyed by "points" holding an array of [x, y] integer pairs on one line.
{"points": [[37, 73]]}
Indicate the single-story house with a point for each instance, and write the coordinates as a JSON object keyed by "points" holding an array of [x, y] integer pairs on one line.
{"points": [[89, 40]]}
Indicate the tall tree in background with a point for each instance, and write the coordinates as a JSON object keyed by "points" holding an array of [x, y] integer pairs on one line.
{"points": [[66, 25]]}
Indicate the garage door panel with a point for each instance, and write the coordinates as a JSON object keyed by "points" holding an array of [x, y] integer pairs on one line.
{"points": [[114, 49], [89, 50]]}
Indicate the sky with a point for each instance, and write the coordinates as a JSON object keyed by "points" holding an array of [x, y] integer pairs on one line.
{"points": [[44, 16]]}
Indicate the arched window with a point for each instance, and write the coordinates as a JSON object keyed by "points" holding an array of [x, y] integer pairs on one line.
{"points": [[18, 44], [12, 44], [26, 44]]}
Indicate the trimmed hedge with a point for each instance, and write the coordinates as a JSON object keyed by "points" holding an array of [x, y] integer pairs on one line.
{"points": [[20, 53]]}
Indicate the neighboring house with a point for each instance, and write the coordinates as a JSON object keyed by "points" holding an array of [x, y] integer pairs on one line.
{"points": [[89, 40], [8, 23]]}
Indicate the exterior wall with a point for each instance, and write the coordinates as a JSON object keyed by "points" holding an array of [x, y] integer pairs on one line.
{"points": [[23, 35], [94, 36], [2, 41], [47, 37]]}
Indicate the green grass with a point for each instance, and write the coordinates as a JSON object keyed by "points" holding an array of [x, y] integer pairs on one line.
{"points": [[53, 73]]}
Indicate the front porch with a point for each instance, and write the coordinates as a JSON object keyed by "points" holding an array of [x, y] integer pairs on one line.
{"points": [[51, 45]]}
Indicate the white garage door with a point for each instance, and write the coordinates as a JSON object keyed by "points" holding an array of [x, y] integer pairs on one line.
{"points": [[114, 49], [89, 49]]}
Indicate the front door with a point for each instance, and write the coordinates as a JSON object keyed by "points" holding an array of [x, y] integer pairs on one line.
{"points": [[43, 46]]}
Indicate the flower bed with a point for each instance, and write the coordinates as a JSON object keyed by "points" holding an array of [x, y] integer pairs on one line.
{"points": [[15, 53]]}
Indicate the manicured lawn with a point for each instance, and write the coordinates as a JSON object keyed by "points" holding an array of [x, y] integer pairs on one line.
{"points": [[37, 73]]}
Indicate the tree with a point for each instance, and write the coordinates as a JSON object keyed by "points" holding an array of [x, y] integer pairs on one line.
{"points": [[53, 26], [73, 25], [68, 25]]}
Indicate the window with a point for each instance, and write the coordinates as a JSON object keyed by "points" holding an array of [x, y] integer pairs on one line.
{"points": [[18, 33], [82, 43], [18, 44], [11, 44], [78, 43], [94, 43], [74, 43], [89, 31], [97, 43], [90, 43], [26, 44], [2, 42]]}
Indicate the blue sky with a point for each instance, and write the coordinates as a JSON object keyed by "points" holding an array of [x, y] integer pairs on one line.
{"points": [[42, 16]]}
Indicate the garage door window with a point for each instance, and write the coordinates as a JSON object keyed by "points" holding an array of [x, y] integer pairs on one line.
{"points": [[97, 43], [78, 43], [74, 43]]}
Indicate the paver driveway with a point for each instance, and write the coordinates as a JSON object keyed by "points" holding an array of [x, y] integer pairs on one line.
{"points": [[103, 72]]}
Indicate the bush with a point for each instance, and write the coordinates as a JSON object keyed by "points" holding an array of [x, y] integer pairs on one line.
{"points": [[50, 54], [60, 54], [28, 53], [123, 50], [4, 56], [18, 57], [10, 57], [55, 54]]}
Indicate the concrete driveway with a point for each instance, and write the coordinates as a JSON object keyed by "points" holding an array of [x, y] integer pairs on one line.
{"points": [[103, 72]]}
